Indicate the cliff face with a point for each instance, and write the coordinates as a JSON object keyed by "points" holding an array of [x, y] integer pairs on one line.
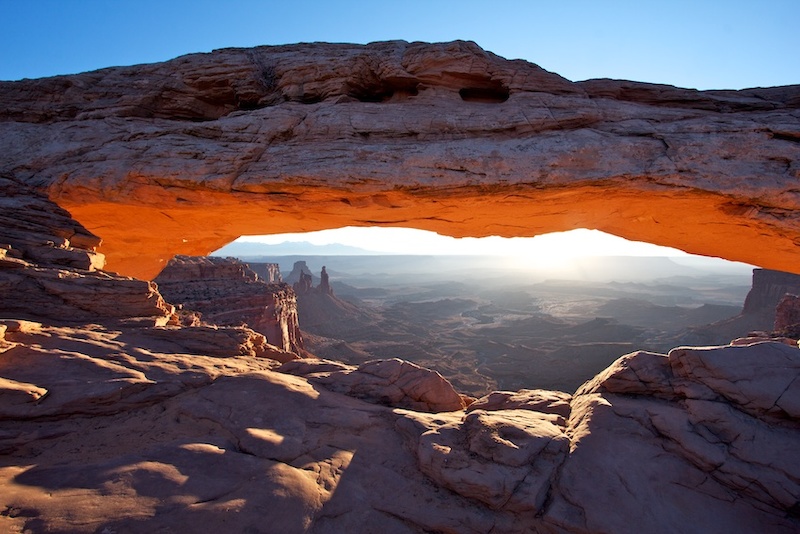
{"points": [[268, 272], [49, 267], [768, 289], [445, 137], [227, 292]]}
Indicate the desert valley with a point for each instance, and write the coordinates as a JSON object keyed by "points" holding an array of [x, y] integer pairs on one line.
{"points": [[148, 386], [486, 325]]}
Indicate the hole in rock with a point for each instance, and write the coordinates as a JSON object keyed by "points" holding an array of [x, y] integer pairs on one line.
{"points": [[384, 91], [500, 314], [490, 95]]}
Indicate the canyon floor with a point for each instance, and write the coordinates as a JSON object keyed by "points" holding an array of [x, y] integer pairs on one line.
{"points": [[495, 328]]}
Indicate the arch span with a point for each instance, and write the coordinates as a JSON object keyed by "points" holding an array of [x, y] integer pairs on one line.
{"points": [[208, 147]]}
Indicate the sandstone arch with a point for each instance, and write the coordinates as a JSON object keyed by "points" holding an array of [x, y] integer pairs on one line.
{"points": [[184, 156]]}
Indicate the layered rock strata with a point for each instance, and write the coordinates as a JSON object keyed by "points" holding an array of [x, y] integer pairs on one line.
{"points": [[49, 267], [768, 289], [444, 137], [268, 272], [227, 292]]}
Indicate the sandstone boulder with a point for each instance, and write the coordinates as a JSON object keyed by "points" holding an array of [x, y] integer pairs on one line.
{"points": [[698, 417], [390, 382], [505, 459]]}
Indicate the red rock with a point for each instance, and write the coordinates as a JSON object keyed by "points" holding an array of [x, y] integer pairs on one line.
{"points": [[197, 433], [228, 292], [787, 315], [391, 382], [538, 400], [49, 267]]}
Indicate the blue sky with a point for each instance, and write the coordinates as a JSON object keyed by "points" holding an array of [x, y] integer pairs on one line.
{"points": [[702, 44]]}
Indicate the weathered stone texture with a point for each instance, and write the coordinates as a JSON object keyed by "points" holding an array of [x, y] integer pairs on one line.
{"points": [[49, 267]]}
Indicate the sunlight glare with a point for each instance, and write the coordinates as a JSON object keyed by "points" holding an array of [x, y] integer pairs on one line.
{"points": [[554, 246]]}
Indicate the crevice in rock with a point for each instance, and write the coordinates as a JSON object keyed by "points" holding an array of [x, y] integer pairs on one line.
{"points": [[384, 90], [490, 94], [785, 135]]}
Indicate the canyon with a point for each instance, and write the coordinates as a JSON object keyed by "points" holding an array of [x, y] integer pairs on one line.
{"points": [[123, 413]]}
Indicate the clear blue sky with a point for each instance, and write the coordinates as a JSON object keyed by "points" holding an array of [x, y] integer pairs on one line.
{"points": [[701, 43]]}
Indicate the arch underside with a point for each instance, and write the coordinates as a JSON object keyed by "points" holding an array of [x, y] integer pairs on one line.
{"points": [[139, 240]]}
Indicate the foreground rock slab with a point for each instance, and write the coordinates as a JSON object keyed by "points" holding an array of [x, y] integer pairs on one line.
{"points": [[120, 429]]}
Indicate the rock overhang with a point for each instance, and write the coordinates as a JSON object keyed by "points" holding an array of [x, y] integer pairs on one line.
{"points": [[185, 156]]}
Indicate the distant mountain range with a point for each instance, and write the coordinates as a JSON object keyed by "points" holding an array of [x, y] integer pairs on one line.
{"points": [[291, 248]]}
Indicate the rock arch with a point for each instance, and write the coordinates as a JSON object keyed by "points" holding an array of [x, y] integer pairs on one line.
{"points": [[182, 157]]}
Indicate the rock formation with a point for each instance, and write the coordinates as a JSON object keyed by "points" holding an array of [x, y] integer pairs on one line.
{"points": [[444, 137], [391, 382], [758, 315], [324, 282], [304, 285], [768, 289], [787, 315], [658, 443], [116, 425], [268, 272], [49, 267], [299, 271], [227, 292], [323, 313]]}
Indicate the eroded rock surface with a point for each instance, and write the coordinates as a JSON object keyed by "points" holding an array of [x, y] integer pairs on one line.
{"points": [[445, 137], [179, 440], [680, 432], [112, 424], [49, 267], [392, 382]]}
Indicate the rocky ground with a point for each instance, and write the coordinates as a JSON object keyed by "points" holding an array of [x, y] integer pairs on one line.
{"points": [[125, 430]]}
